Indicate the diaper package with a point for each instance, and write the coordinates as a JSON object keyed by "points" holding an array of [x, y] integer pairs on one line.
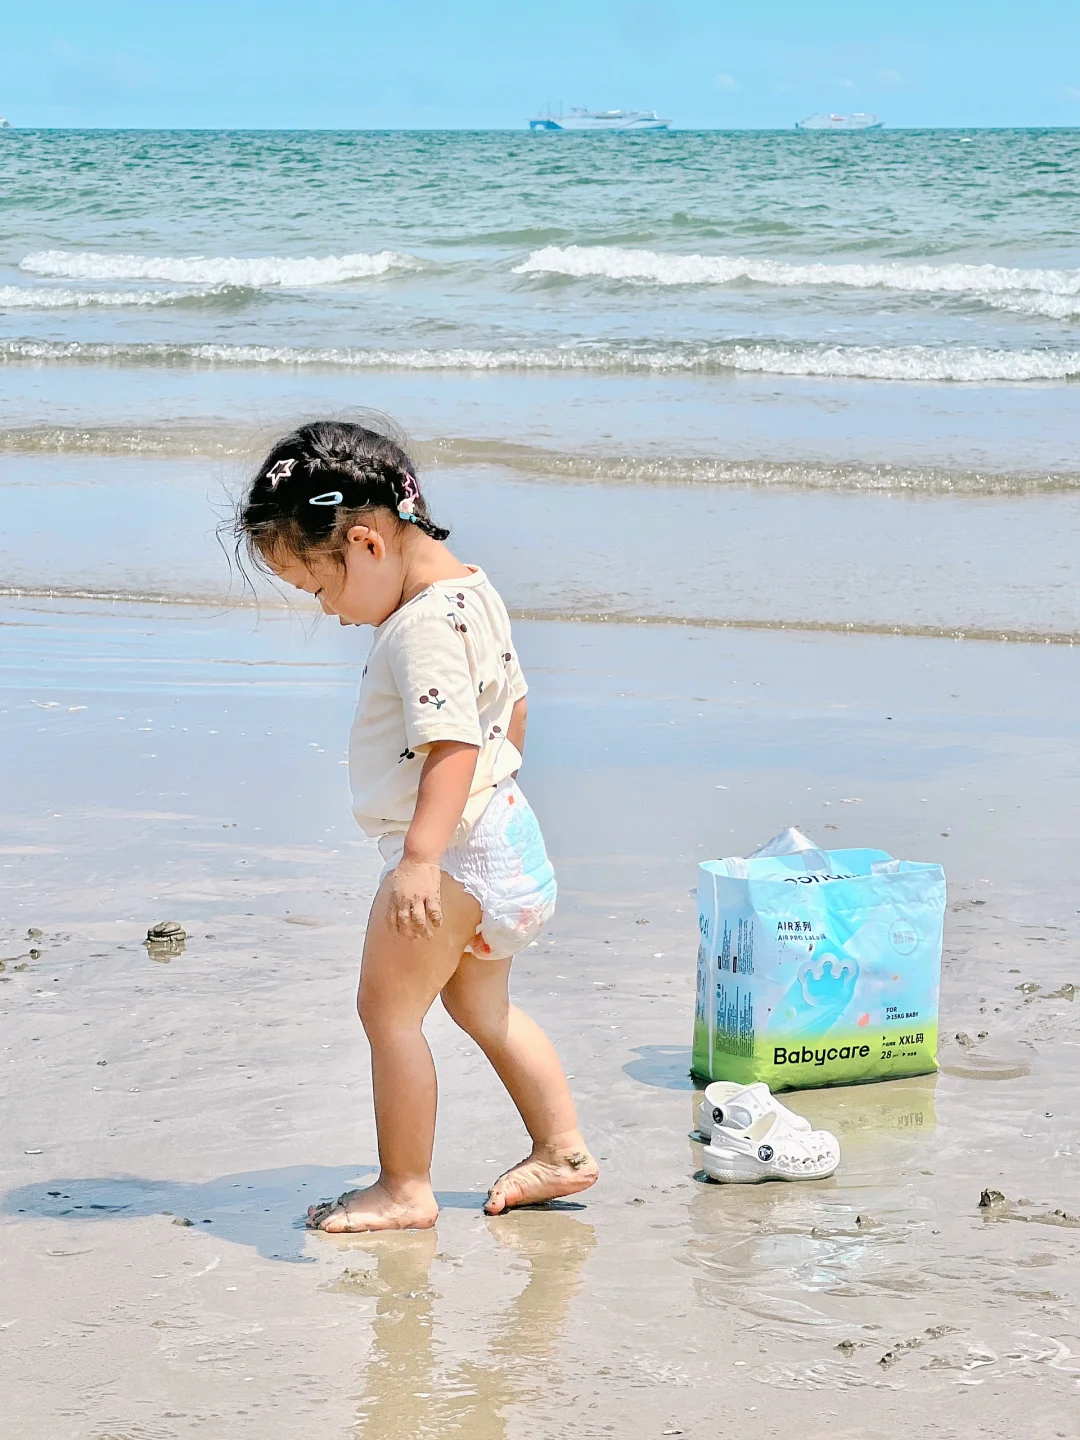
{"points": [[817, 967]]}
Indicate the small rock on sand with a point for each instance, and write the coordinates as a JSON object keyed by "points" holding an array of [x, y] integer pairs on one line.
{"points": [[167, 930], [164, 940], [1068, 991], [991, 1198]]}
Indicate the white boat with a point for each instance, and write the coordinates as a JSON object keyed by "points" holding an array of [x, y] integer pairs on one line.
{"points": [[857, 121], [598, 120]]}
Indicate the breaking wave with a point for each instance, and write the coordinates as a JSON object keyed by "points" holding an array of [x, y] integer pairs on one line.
{"points": [[982, 282], [24, 297], [255, 273], [916, 363]]}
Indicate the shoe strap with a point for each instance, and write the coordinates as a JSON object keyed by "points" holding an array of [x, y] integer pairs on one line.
{"points": [[746, 1107]]}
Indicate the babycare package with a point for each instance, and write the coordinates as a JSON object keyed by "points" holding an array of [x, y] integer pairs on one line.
{"points": [[817, 967]]}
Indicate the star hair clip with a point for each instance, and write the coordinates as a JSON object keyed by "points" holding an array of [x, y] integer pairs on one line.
{"points": [[281, 471]]}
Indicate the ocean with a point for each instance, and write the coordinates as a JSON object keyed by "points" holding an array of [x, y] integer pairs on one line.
{"points": [[853, 355]]}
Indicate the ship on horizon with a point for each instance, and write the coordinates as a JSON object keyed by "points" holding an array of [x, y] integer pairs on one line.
{"points": [[857, 121], [599, 120]]}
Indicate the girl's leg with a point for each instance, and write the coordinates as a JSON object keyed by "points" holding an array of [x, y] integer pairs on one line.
{"points": [[399, 980], [476, 997]]}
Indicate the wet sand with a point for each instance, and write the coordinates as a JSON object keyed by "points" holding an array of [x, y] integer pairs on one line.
{"points": [[761, 553], [186, 763]]}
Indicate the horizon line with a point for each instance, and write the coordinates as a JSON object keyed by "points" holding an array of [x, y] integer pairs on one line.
{"points": [[791, 127]]}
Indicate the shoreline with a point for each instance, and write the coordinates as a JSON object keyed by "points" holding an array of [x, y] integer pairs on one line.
{"points": [[557, 617], [992, 568]]}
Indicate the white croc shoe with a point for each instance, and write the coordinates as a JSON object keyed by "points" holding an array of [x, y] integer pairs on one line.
{"points": [[723, 1103], [766, 1148]]}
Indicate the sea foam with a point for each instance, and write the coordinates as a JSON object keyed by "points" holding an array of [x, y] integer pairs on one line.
{"points": [[659, 268], [254, 273], [25, 297], [916, 363]]}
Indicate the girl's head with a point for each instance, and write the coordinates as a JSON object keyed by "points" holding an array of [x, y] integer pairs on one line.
{"points": [[334, 510]]}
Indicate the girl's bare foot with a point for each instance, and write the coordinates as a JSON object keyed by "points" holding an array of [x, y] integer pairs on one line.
{"points": [[374, 1209], [547, 1174]]}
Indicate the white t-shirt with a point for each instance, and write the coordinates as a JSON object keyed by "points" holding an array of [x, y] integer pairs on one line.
{"points": [[443, 667]]}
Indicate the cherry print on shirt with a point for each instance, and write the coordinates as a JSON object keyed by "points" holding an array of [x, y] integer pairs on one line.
{"points": [[459, 601], [507, 657], [406, 754], [432, 698], [496, 732]]}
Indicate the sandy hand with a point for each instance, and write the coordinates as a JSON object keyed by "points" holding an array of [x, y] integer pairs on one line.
{"points": [[414, 905]]}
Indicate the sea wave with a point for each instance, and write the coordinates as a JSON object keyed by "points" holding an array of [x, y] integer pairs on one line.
{"points": [[561, 467], [158, 440], [915, 363], [254, 273], [1054, 307], [593, 467], [269, 600], [43, 297], [661, 268]]}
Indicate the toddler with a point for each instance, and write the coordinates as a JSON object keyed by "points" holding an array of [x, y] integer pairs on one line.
{"points": [[335, 510]]}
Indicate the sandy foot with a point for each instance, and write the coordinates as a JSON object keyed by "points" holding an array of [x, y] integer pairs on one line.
{"points": [[543, 1176], [372, 1209]]}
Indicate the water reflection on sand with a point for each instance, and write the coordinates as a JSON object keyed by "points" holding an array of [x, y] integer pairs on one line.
{"points": [[413, 1383]]}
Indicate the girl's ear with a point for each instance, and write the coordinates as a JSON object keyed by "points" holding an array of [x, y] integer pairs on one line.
{"points": [[369, 538]]}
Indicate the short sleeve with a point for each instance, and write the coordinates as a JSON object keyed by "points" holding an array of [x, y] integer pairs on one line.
{"points": [[515, 675], [430, 665]]}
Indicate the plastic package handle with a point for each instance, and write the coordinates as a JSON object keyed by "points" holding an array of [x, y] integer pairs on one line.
{"points": [[792, 842], [816, 861]]}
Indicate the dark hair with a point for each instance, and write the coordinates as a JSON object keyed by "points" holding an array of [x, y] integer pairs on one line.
{"points": [[318, 482]]}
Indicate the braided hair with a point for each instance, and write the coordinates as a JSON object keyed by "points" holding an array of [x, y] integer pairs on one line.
{"points": [[318, 482]]}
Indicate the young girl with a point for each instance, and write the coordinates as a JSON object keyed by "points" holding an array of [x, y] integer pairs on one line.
{"points": [[335, 510]]}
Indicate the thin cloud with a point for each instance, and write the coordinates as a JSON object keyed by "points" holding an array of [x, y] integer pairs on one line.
{"points": [[846, 84], [726, 82], [1071, 92], [890, 77]]}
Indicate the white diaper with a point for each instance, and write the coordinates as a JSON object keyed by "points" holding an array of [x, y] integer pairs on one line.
{"points": [[503, 865]]}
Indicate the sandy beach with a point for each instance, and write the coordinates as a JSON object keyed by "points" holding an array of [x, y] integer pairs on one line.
{"points": [[185, 762]]}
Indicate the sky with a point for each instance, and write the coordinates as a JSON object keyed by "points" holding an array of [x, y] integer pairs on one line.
{"points": [[490, 64]]}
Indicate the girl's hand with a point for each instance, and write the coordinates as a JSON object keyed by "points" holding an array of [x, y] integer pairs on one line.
{"points": [[415, 901]]}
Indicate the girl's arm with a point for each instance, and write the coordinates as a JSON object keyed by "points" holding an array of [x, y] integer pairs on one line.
{"points": [[515, 731], [445, 781]]}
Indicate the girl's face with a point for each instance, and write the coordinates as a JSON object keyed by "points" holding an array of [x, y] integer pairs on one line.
{"points": [[362, 587]]}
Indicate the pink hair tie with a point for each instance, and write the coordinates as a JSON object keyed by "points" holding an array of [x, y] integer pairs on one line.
{"points": [[410, 495]]}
